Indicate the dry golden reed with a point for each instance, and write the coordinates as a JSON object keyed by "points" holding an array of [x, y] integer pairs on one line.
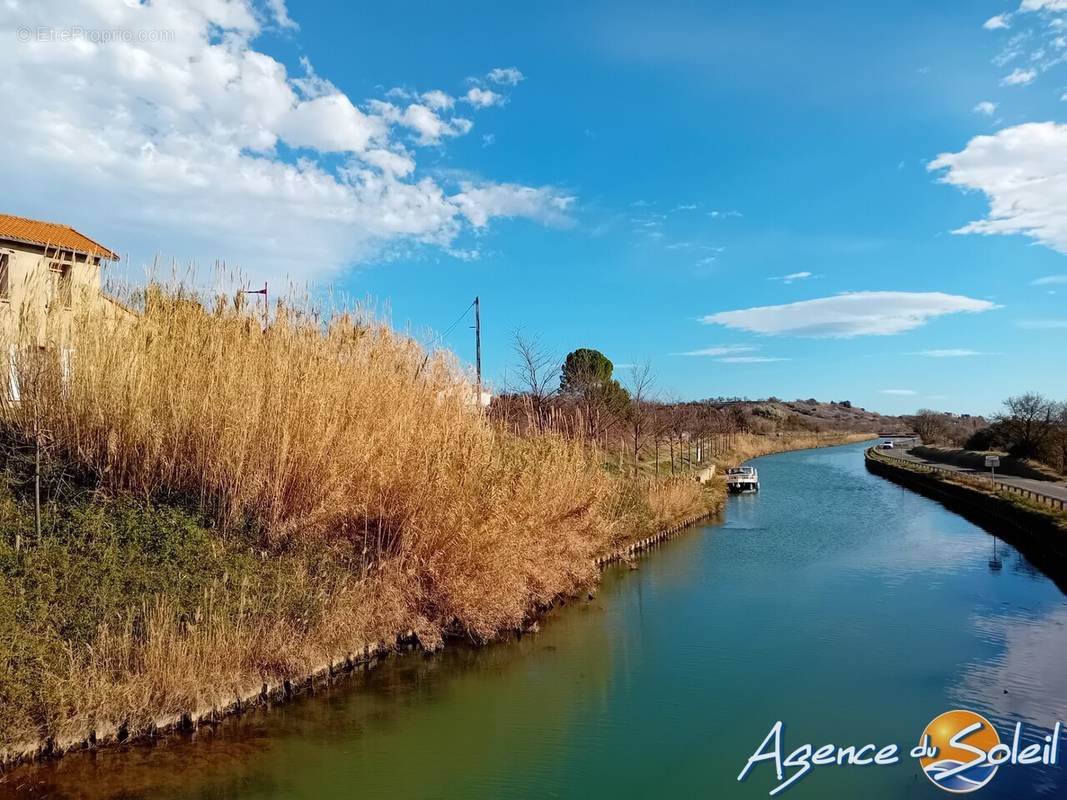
{"points": [[327, 428], [321, 433]]}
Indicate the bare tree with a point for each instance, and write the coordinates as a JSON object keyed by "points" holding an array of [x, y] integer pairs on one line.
{"points": [[930, 425], [1061, 436], [1028, 423], [538, 374], [640, 419]]}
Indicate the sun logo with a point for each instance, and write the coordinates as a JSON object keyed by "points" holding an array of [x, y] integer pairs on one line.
{"points": [[957, 748]]}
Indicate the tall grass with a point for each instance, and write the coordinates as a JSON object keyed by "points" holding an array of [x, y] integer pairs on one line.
{"points": [[321, 438], [745, 446], [328, 428]]}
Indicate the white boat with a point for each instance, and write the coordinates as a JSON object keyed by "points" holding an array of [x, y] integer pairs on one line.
{"points": [[742, 479]]}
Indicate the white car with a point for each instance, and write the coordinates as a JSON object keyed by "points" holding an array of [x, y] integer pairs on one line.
{"points": [[887, 445]]}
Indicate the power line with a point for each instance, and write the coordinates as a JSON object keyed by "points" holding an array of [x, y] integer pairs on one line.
{"points": [[440, 336], [451, 327]]}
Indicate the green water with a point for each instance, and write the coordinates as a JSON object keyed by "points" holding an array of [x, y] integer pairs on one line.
{"points": [[844, 605]]}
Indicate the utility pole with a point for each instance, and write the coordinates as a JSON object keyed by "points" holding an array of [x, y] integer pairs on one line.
{"points": [[478, 346], [266, 305]]}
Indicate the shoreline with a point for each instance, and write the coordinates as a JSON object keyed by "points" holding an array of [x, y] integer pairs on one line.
{"points": [[1035, 530], [268, 693]]}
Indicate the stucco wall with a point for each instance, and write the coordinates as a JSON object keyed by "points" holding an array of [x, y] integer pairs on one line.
{"points": [[25, 314]]}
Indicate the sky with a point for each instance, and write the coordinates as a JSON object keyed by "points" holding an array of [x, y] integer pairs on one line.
{"points": [[846, 201]]}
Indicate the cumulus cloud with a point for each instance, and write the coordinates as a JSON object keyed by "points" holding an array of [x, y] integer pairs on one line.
{"points": [[1019, 77], [899, 392], [993, 23], [985, 107], [480, 203], [280, 14], [1050, 280], [1022, 171], [186, 144], [483, 98], [330, 124], [849, 314], [508, 76], [1043, 5], [438, 100]]}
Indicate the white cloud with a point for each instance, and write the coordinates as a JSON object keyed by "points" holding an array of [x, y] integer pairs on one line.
{"points": [[849, 314], [438, 100], [792, 276], [1043, 5], [508, 76], [330, 124], [749, 359], [280, 14], [185, 144], [721, 350], [398, 164], [483, 98], [899, 392], [430, 127], [1018, 77], [985, 107], [999, 21], [1043, 324], [1023, 173], [1050, 280], [481, 203], [724, 214], [955, 352]]}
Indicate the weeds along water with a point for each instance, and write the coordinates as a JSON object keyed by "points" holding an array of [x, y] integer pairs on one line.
{"points": [[225, 502]]}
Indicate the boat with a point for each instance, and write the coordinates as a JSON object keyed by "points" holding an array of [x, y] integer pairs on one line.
{"points": [[742, 479]]}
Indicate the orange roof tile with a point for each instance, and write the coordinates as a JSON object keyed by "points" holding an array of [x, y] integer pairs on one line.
{"points": [[50, 234]]}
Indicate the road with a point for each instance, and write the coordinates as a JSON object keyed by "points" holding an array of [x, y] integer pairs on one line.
{"points": [[1057, 490]]}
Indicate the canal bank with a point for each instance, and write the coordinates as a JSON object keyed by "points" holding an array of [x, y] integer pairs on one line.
{"points": [[1035, 524], [843, 604], [214, 705]]}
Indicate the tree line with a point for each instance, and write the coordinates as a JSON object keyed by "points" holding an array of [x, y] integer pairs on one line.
{"points": [[583, 397], [1029, 425]]}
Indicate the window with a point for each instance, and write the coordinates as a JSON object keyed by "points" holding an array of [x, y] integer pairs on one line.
{"points": [[5, 285], [14, 393], [59, 285]]}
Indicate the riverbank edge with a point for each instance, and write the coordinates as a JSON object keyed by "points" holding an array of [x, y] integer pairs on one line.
{"points": [[270, 693], [1039, 533]]}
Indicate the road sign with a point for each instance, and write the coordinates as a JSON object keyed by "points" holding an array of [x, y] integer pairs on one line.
{"points": [[992, 461]]}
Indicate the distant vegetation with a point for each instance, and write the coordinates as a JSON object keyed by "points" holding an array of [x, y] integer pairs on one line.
{"points": [[636, 429], [1030, 426]]}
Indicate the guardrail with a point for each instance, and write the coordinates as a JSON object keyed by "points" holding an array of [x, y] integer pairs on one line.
{"points": [[973, 478]]}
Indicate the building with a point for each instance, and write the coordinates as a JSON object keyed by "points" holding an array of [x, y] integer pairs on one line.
{"points": [[47, 271]]}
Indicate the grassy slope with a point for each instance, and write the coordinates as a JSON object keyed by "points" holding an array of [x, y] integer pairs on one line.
{"points": [[126, 611]]}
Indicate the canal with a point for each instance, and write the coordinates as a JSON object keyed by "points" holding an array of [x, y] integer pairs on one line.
{"points": [[835, 601]]}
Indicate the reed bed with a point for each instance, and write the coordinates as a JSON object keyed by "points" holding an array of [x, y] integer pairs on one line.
{"points": [[745, 446], [342, 467]]}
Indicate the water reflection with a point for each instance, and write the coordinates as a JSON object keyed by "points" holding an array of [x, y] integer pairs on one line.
{"points": [[995, 563], [1025, 679]]}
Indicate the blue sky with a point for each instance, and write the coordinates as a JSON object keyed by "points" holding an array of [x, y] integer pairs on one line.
{"points": [[655, 166]]}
